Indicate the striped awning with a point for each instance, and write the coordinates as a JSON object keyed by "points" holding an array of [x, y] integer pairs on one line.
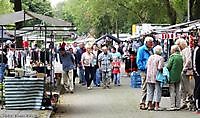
{"points": [[23, 93]]}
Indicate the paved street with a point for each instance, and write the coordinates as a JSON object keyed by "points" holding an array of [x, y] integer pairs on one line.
{"points": [[25, 113], [118, 102]]}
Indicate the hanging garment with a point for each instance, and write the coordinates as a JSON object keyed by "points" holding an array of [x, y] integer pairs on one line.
{"points": [[57, 65]]}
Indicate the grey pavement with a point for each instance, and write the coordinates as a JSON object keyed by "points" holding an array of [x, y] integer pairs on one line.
{"points": [[25, 113], [117, 102]]}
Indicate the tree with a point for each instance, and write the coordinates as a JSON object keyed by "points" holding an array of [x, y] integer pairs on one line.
{"points": [[195, 6], [38, 6], [18, 7], [111, 16], [5, 6]]}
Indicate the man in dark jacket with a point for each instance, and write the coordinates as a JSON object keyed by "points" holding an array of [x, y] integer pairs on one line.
{"points": [[79, 53], [196, 63], [3, 62], [68, 64]]}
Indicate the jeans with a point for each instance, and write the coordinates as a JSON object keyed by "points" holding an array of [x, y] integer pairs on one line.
{"points": [[116, 78], [2, 70], [98, 77], [82, 75], [94, 77], [89, 75]]}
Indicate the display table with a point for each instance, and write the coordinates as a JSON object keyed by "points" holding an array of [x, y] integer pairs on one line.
{"points": [[23, 93]]}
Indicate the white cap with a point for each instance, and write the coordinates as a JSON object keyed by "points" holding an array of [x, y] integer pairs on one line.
{"points": [[8, 42]]}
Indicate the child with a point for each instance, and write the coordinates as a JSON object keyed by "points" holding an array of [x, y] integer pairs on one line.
{"points": [[116, 71]]}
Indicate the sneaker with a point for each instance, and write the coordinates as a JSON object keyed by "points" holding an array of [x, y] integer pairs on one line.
{"points": [[158, 109], [104, 87], [71, 92], [89, 88], [109, 87], [83, 84], [177, 108], [143, 106], [171, 109], [183, 107]]}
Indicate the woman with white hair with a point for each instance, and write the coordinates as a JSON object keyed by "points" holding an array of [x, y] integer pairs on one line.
{"points": [[187, 81], [87, 61], [182, 43], [175, 66], [155, 64]]}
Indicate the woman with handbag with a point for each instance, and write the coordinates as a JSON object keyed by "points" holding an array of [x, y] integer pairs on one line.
{"points": [[155, 64]]}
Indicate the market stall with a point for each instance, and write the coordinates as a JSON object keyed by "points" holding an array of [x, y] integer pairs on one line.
{"points": [[27, 89]]}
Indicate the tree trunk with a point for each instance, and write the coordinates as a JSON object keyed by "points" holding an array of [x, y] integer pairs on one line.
{"points": [[170, 12], [191, 6], [195, 10], [18, 7]]}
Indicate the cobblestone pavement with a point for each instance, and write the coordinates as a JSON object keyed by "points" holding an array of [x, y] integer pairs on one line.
{"points": [[117, 102]]}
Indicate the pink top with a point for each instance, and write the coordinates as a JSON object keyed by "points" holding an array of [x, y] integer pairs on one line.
{"points": [[154, 63], [116, 67]]}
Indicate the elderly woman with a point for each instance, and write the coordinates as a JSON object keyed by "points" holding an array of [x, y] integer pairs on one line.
{"points": [[175, 66], [155, 64], [187, 81], [87, 61]]}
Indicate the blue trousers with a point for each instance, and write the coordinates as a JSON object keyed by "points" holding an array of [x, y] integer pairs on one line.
{"points": [[116, 78], [2, 70], [98, 77], [82, 75]]}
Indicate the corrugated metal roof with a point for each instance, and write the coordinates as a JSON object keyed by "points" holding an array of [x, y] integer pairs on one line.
{"points": [[27, 15], [13, 18], [50, 20]]}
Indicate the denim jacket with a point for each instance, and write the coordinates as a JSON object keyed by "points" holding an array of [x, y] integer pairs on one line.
{"points": [[143, 55]]}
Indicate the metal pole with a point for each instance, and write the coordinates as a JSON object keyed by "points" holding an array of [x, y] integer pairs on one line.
{"points": [[51, 76], [188, 12], [45, 41], [2, 65]]}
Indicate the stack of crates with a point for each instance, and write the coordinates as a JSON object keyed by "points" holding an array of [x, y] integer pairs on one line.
{"points": [[136, 81]]}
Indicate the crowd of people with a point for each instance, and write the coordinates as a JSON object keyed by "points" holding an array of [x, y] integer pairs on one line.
{"points": [[179, 72], [100, 66], [91, 63]]}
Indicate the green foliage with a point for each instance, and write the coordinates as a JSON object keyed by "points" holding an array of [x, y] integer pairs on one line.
{"points": [[38, 6], [5, 6], [181, 9], [111, 16]]}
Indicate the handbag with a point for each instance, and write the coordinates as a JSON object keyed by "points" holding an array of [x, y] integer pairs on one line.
{"points": [[165, 91]]}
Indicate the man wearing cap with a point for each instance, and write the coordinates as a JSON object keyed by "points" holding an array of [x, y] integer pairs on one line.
{"points": [[105, 66], [143, 55]]}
